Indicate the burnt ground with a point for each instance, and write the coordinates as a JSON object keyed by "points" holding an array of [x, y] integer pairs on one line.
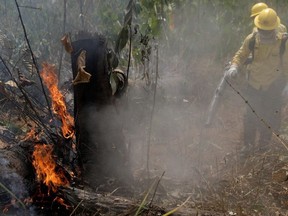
{"points": [[200, 165], [205, 163]]}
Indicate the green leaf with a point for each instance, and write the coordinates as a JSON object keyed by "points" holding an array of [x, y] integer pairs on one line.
{"points": [[122, 39], [142, 205], [154, 23]]}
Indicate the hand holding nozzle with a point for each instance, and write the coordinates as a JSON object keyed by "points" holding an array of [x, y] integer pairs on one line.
{"points": [[232, 72]]}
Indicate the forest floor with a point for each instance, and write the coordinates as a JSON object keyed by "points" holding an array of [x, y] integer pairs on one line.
{"points": [[203, 164], [196, 168]]}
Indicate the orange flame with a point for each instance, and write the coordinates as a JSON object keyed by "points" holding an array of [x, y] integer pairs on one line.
{"points": [[62, 202], [45, 166], [31, 135], [49, 77]]}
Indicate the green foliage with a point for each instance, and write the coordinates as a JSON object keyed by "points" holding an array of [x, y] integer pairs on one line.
{"points": [[122, 39], [124, 33], [187, 26], [148, 17]]}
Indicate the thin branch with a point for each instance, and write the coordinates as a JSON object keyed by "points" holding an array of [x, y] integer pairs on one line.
{"points": [[152, 114], [30, 7], [74, 210], [33, 58], [130, 51], [81, 13], [63, 31], [176, 209], [30, 104], [13, 195], [158, 182]]}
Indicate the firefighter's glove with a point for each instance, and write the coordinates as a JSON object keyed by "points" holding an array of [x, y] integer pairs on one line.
{"points": [[232, 72]]}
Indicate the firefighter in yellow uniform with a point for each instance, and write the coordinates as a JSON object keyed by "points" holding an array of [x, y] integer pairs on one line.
{"points": [[257, 8], [266, 79]]}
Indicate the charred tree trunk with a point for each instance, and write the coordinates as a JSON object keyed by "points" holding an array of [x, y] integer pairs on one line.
{"points": [[100, 141]]}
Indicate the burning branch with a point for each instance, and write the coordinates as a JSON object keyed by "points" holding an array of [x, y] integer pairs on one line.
{"points": [[45, 166], [49, 77]]}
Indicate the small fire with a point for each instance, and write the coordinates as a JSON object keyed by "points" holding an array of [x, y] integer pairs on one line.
{"points": [[46, 169], [49, 77], [62, 202], [32, 135]]}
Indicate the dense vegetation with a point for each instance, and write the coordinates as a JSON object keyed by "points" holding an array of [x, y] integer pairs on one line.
{"points": [[209, 26]]}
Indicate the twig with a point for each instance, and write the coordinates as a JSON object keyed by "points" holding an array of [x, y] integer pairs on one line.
{"points": [[156, 188], [130, 51], [30, 7], [81, 13], [255, 188], [13, 195], [27, 100], [152, 114], [74, 210], [211, 189], [110, 194], [176, 209], [62, 47], [33, 58]]}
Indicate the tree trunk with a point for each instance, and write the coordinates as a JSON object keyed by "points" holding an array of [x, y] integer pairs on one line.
{"points": [[100, 141]]}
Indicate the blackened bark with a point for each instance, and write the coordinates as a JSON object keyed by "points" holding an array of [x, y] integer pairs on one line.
{"points": [[100, 141]]}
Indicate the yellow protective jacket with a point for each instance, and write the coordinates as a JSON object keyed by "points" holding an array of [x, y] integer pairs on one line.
{"points": [[266, 66]]}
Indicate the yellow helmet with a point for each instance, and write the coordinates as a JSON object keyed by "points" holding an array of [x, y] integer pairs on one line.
{"points": [[267, 20], [257, 8]]}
